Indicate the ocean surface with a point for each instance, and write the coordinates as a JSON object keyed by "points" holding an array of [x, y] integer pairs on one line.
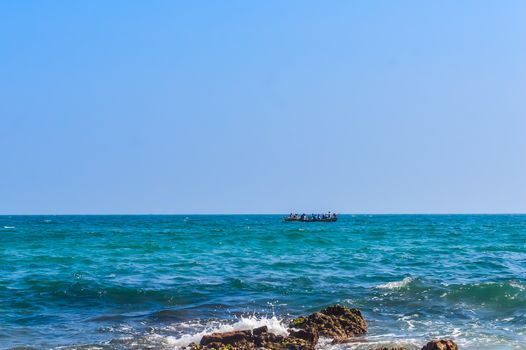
{"points": [[160, 282]]}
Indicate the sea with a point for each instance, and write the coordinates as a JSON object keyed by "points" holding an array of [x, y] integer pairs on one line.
{"points": [[163, 281]]}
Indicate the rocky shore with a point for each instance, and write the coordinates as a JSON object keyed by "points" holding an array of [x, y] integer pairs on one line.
{"points": [[337, 322]]}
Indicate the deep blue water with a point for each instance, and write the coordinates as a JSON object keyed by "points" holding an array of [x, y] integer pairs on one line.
{"points": [[124, 282]]}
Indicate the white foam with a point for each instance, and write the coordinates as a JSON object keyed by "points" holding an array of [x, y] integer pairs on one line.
{"points": [[397, 284], [8, 227], [517, 285], [273, 324]]}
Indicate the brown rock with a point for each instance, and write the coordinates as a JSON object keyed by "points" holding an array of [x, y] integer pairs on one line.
{"points": [[227, 338], [260, 330], [441, 345], [310, 336], [257, 339], [337, 322]]}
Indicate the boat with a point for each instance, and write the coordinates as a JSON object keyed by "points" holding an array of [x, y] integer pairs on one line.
{"points": [[307, 219]]}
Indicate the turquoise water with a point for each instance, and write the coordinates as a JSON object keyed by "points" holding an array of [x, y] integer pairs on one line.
{"points": [[125, 282]]}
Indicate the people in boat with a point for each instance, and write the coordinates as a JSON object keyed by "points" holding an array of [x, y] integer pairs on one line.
{"points": [[313, 217]]}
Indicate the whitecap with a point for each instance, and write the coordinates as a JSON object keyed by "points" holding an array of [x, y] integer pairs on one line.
{"points": [[397, 284], [517, 285]]}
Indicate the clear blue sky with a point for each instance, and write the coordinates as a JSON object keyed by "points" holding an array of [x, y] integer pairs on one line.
{"points": [[262, 106]]}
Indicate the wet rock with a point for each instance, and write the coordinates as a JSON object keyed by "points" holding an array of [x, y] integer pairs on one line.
{"points": [[441, 345], [260, 330], [227, 338], [259, 338], [310, 336], [337, 322]]}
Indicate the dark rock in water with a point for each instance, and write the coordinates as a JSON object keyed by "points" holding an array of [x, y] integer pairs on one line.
{"points": [[337, 322], [441, 345], [227, 338], [310, 336], [256, 339], [260, 330]]}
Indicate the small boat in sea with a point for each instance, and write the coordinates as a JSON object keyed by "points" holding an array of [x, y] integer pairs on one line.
{"points": [[331, 219], [311, 218]]}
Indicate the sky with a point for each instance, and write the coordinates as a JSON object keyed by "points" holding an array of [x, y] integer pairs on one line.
{"points": [[127, 107]]}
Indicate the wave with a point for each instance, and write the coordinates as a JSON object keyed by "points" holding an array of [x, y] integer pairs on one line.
{"points": [[509, 294], [81, 293], [396, 284], [419, 292]]}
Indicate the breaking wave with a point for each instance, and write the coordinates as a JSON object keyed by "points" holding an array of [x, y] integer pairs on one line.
{"points": [[396, 284]]}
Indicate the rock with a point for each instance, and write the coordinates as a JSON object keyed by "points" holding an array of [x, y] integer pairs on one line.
{"points": [[227, 338], [441, 345], [337, 322], [310, 336], [256, 339], [260, 330]]}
